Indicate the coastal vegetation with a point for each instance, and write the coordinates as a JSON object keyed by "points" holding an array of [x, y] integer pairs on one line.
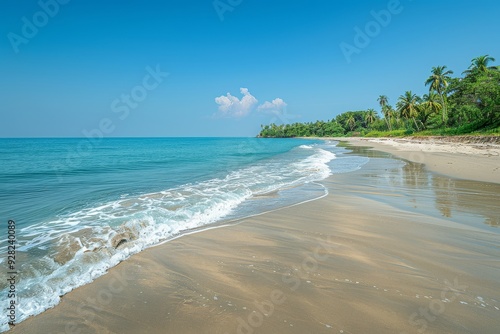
{"points": [[468, 104]]}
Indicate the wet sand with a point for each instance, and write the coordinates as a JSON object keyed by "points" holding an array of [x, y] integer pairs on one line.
{"points": [[391, 249], [463, 160]]}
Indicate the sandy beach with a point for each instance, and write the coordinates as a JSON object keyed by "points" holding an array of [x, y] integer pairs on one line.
{"points": [[395, 247]]}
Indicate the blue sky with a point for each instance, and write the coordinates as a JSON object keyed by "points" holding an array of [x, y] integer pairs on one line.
{"points": [[71, 75]]}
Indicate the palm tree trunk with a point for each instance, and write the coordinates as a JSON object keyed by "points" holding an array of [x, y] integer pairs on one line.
{"points": [[415, 121], [387, 122], [444, 107]]}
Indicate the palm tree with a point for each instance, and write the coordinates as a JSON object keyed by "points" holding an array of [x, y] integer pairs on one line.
{"points": [[430, 101], [438, 82], [351, 122], [383, 100], [408, 106], [429, 106], [370, 116], [480, 64], [388, 114]]}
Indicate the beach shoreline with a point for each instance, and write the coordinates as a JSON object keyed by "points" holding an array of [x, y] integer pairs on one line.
{"points": [[319, 266], [462, 159]]}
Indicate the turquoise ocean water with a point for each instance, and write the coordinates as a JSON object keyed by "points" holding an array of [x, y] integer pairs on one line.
{"points": [[83, 206]]}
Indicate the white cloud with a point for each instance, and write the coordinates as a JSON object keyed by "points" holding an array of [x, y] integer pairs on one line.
{"points": [[231, 106], [277, 106]]}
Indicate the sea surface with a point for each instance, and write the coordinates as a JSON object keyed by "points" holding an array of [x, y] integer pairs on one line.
{"points": [[81, 206]]}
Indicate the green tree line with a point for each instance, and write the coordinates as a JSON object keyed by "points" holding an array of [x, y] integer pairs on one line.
{"points": [[453, 105]]}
